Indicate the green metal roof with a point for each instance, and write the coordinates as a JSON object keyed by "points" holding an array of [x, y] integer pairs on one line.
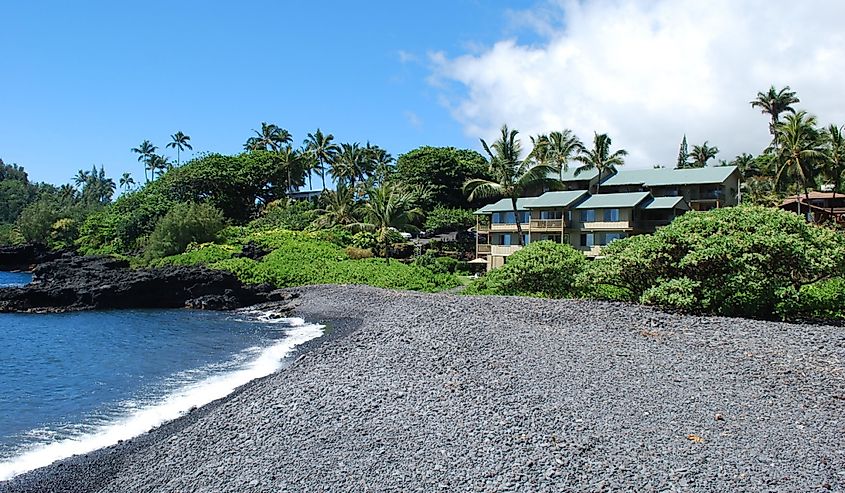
{"points": [[666, 203], [505, 205], [569, 175], [667, 177], [613, 200], [557, 199]]}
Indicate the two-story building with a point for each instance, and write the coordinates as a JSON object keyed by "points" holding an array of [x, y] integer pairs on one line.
{"points": [[631, 202]]}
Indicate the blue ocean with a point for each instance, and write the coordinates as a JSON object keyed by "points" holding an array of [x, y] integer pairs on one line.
{"points": [[74, 382]]}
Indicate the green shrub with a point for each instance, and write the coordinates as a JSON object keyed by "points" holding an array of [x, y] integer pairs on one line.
{"points": [[186, 223], [823, 300], [358, 253], [542, 268], [742, 261], [63, 233], [200, 254], [443, 219], [295, 215]]}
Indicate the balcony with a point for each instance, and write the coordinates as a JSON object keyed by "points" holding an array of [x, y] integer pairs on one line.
{"points": [[590, 251], [482, 249], [482, 228], [607, 225], [503, 250], [506, 228], [546, 224]]}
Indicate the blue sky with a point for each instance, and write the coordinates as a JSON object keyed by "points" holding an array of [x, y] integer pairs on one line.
{"points": [[83, 82]]}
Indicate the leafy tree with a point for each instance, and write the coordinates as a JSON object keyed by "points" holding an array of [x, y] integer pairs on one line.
{"points": [[701, 154], [774, 102], [543, 268], [186, 223], [443, 172], [683, 155], [15, 195], [512, 176], [323, 150], [145, 151], [600, 158], [833, 162], [180, 142], [443, 219], [36, 219]]}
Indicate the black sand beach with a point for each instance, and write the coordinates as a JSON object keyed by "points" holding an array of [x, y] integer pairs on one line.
{"points": [[416, 392]]}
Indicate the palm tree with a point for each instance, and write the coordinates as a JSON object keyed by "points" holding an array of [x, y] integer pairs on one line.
{"points": [[180, 142], [126, 181], [701, 154], [562, 147], [512, 176], [324, 151], [773, 103], [798, 149], [834, 157], [350, 165], [160, 164], [389, 207], [379, 161], [339, 208], [600, 158], [82, 177], [293, 163], [145, 151], [270, 138]]}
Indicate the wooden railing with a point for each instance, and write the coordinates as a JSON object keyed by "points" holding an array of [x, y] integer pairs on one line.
{"points": [[555, 224], [611, 225], [483, 249], [504, 250]]}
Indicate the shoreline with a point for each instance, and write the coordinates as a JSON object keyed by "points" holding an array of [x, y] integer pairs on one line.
{"points": [[90, 471], [421, 392]]}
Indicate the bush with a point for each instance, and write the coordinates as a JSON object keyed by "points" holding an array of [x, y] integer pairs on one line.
{"points": [[542, 268], [442, 219], [358, 253], [200, 254], [294, 215], [185, 223], [63, 233], [741, 261]]}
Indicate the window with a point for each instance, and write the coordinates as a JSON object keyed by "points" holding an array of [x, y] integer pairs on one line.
{"points": [[611, 215], [588, 215], [587, 239], [554, 238], [526, 239], [551, 214], [506, 240], [510, 218], [611, 237], [526, 217]]}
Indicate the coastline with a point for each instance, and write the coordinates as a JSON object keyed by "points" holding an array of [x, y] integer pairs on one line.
{"points": [[421, 392], [90, 471]]}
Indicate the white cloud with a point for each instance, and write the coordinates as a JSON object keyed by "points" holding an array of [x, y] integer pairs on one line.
{"points": [[413, 119], [648, 72]]}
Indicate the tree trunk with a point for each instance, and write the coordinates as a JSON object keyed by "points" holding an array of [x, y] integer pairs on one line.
{"points": [[518, 222]]}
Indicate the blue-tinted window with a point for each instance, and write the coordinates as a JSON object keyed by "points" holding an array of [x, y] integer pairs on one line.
{"points": [[611, 215], [588, 215]]}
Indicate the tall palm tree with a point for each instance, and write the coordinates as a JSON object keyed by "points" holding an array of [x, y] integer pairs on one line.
{"points": [[773, 103], [158, 164], [126, 181], [145, 151], [270, 138], [350, 165], [180, 142], [701, 154], [563, 147], [512, 175], [798, 149], [834, 157], [600, 158], [293, 162], [82, 177], [379, 161], [388, 206], [339, 208], [323, 150]]}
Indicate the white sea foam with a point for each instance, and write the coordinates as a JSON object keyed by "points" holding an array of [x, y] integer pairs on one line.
{"points": [[173, 405]]}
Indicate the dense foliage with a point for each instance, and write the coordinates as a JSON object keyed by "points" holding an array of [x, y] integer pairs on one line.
{"points": [[186, 223], [300, 258], [744, 261], [443, 170], [443, 219], [542, 268]]}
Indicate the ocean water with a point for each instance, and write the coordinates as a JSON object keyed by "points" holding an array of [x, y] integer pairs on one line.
{"points": [[72, 383], [14, 279]]}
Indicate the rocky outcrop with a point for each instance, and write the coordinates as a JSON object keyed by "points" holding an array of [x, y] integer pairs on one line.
{"points": [[72, 283], [24, 257]]}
